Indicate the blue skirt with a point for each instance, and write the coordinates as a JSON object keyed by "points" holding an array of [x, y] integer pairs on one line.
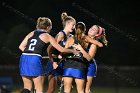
{"points": [[31, 65], [49, 68], [92, 69], [55, 72], [75, 73]]}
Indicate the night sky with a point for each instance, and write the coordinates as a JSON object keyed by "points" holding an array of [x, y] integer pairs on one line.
{"points": [[120, 18]]}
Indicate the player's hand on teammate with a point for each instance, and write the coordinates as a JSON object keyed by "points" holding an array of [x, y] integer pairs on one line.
{"points": [[55, 65], [78, 47], [60, 56]]}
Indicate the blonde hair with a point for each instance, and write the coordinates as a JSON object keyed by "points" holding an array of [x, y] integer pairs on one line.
{"points": [[43, 23], [65, 18]]}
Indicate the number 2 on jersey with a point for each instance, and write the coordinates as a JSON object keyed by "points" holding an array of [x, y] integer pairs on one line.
{"points": [[33, 43]]}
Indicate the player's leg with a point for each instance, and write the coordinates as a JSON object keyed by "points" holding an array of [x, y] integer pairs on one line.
{"points": [[88, 84], [52, 82], [27, 82], [38, 83], [67, 84], [80, 85]]}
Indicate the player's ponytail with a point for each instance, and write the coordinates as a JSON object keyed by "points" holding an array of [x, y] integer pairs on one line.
{"points": [[65, 18], [43, 23]]}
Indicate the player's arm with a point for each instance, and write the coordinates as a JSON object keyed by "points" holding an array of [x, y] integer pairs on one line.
{"points": [[49, 51], [92, 50], [69, 42], [93, 41], [58, 47], [23, 44], [58, 38], [85, 54]]}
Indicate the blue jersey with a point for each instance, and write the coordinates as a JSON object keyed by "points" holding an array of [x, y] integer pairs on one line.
{"points": [[31, 63], [62, 43], [35, 44], [59, 69], [75, 65], [75, 61]]}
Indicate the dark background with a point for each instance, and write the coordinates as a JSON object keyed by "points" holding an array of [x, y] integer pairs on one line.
{"points": [[120, 18], [118, 63]]}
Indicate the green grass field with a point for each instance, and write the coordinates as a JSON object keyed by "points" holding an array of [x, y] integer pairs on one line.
{"points": [[96, 90], [123, 81]]}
